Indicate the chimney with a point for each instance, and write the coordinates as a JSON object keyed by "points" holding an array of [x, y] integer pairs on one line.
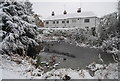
{"points": [[79, 10], [53, 13], [65, 12]]}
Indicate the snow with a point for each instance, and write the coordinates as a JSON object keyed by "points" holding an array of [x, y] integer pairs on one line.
{"points": [[58, 28], [94, 67], [72, 15], [7, 74], [111, 72], [18, 30], [9, 69], [13, 70], [60, 73]]}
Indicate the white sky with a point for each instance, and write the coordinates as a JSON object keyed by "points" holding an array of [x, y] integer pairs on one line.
{"points": [[99, 7]]}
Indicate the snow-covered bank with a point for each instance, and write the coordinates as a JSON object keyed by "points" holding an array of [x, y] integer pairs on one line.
{"points": [[60, 73], [109, 72], [12, 70], [17, 67]]}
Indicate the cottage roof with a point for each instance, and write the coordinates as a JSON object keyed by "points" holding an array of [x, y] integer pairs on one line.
{"points": [[72, 15]]}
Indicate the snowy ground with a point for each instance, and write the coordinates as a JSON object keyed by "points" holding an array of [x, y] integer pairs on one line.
{"points": [[60, 73], [10, 70], [15, 70]]}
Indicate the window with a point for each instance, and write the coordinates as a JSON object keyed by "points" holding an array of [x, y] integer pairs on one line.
{"points": [[57, 22], [63, 21], [87, 20], [53, 22], [67, 21], [47, 22]]}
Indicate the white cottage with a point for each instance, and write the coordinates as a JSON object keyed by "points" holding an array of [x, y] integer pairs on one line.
{"points": [[80, 19]]}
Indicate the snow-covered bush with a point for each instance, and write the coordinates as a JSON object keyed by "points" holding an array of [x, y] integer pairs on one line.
{"points": [[63, 73], [71, 34], [108, 26], [111, 72], [19, 31], [109, 32], [111, 45]]}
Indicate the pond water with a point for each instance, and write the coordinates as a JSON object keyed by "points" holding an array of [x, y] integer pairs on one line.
{"points": [[72, 56]]}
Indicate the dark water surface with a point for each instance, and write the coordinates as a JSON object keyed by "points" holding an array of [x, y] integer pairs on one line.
{"points": [[72, 56]]}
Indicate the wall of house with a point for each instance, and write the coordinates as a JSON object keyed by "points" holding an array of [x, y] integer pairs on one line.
{"points": [[73, 22]]}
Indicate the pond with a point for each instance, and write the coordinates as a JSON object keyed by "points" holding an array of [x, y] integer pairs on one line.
{"points": [[72, 56]]}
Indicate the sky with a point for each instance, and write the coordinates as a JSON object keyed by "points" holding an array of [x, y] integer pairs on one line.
{"points": [[99, 7]]}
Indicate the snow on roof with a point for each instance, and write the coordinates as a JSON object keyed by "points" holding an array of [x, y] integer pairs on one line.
{"points": [[72, 15]]}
